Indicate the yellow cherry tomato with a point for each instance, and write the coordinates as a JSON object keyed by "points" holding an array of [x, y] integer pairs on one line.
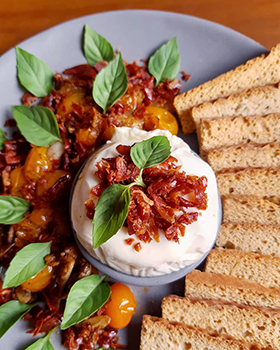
{"points": [[166, 121], [87, 136], [48, 180], [66, 106], [27, 229], [18, 180], [41, 217], [37, 163], [121, 307], [39, 281]]}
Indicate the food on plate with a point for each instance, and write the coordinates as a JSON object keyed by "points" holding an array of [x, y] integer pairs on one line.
{"points": [[222, 132], [216, 286], [243, 156], [259, 71], [251, 209], [170, 243], [121, 307], [258, 101], [262, 239], [157, 334], [208, 314], [261, 182], [62, 120], [256, 267], [237, 122]]}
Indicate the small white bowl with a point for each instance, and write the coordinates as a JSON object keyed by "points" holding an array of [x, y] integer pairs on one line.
{"points": [[138, 280]]}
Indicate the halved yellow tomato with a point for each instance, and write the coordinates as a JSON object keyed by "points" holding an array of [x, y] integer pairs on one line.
{"points": [[39, 281], [166, 120], [37, 163], [48, 180], [18, 180], [66, 106]]}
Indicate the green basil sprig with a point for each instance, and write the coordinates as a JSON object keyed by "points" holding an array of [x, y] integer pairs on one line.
{"points": [[34, 75], [112, 207], [10, 313], [27, 263], [12, 209], [85, 297], [42, 343], [150, 152], [165, 62], [110, 83], [3, 138], [37, 124], [96, 48], [110, 213]]}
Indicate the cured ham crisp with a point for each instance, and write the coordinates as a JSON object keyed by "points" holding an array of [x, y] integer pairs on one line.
{"points": [[165, 202]]}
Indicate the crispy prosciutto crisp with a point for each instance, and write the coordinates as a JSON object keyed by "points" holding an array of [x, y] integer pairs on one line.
{"points": [[165, 204]]}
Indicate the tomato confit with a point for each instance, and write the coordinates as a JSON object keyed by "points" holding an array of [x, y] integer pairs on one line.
{"points": [[36, 177]]}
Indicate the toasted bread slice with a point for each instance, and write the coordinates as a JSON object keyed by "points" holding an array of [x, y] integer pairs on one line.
{"points": [[243, 156], [261, 182], [206, 285], [157, 334], [228, 131], [260, 71], [248, 323], [251, 210], [260, 268], [258, 101], [262, 239]]}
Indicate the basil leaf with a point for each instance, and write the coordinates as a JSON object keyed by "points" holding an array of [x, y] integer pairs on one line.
{"points": [[165, 62], [110, 83], [42, 343], [96, 48], [10, 313], [34, 75], [110, 213], [12, 209], [37, 124], [85, 297], [150, 152], [3, 138], [27, 263]]}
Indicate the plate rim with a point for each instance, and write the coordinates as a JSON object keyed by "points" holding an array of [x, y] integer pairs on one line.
{"points": [[143, 11], [7, 54]]}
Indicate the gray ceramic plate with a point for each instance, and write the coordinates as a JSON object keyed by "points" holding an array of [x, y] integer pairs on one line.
{"points": [[207, 50]]}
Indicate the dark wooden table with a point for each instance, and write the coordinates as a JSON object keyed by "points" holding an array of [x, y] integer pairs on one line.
{"points": [[20, 19]]}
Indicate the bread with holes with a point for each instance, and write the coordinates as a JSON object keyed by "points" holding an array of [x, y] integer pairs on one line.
{"points": [[160, 334], [251, 210], [262, 239], [261, 100], [228, 131], [260, 268], [243, 156], [207, 285], [260, 71], [261, 182], [252, 324]]}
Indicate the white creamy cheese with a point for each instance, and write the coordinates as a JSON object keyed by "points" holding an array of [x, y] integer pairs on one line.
{"points": [[154, 258]]}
